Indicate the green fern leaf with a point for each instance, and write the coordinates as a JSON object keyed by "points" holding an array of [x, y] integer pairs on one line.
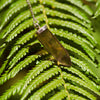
{"points": [[74, 38], [21, 41], [68, 8], [42, 77], [80, 4], [14, 89], [80, 82], [17, 68], [16, 21], [15, 7], [4, 3], [97, 13], [59, 96], [73, 24], [80, 90], [61, 15], [33, 73], [47, 88]]}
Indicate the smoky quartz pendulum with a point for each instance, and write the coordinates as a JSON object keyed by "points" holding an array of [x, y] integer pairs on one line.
{"points": [[50, 42]]}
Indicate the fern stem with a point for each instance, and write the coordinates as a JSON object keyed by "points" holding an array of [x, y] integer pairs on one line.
{"points": [[44, 13], [46, 20], [64, 84]]}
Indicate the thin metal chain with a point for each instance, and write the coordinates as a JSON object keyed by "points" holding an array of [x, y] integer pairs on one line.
{"points": [[35, 22]]}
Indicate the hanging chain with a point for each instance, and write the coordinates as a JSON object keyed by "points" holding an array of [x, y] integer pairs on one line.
{"points": [[35, 22]]}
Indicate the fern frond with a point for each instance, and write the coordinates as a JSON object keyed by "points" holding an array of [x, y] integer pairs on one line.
{"points": [[77, 97], [18, 56], [80, 82], [16, 88], [14, 8], [74, 10], [73, 26], [21, 41], [62, 94], [34, 72], [80, 4], [4, 3], [17, 20], [17, 68], [81, 91], [45, 89], [70, 36], [81, 75], [12, 91], [90, 65], [84, 66], [61, 15], [59, 96], [97, 13], [3, 66], [41, 78], [21, 27], [79, 53], [71, 22]]}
